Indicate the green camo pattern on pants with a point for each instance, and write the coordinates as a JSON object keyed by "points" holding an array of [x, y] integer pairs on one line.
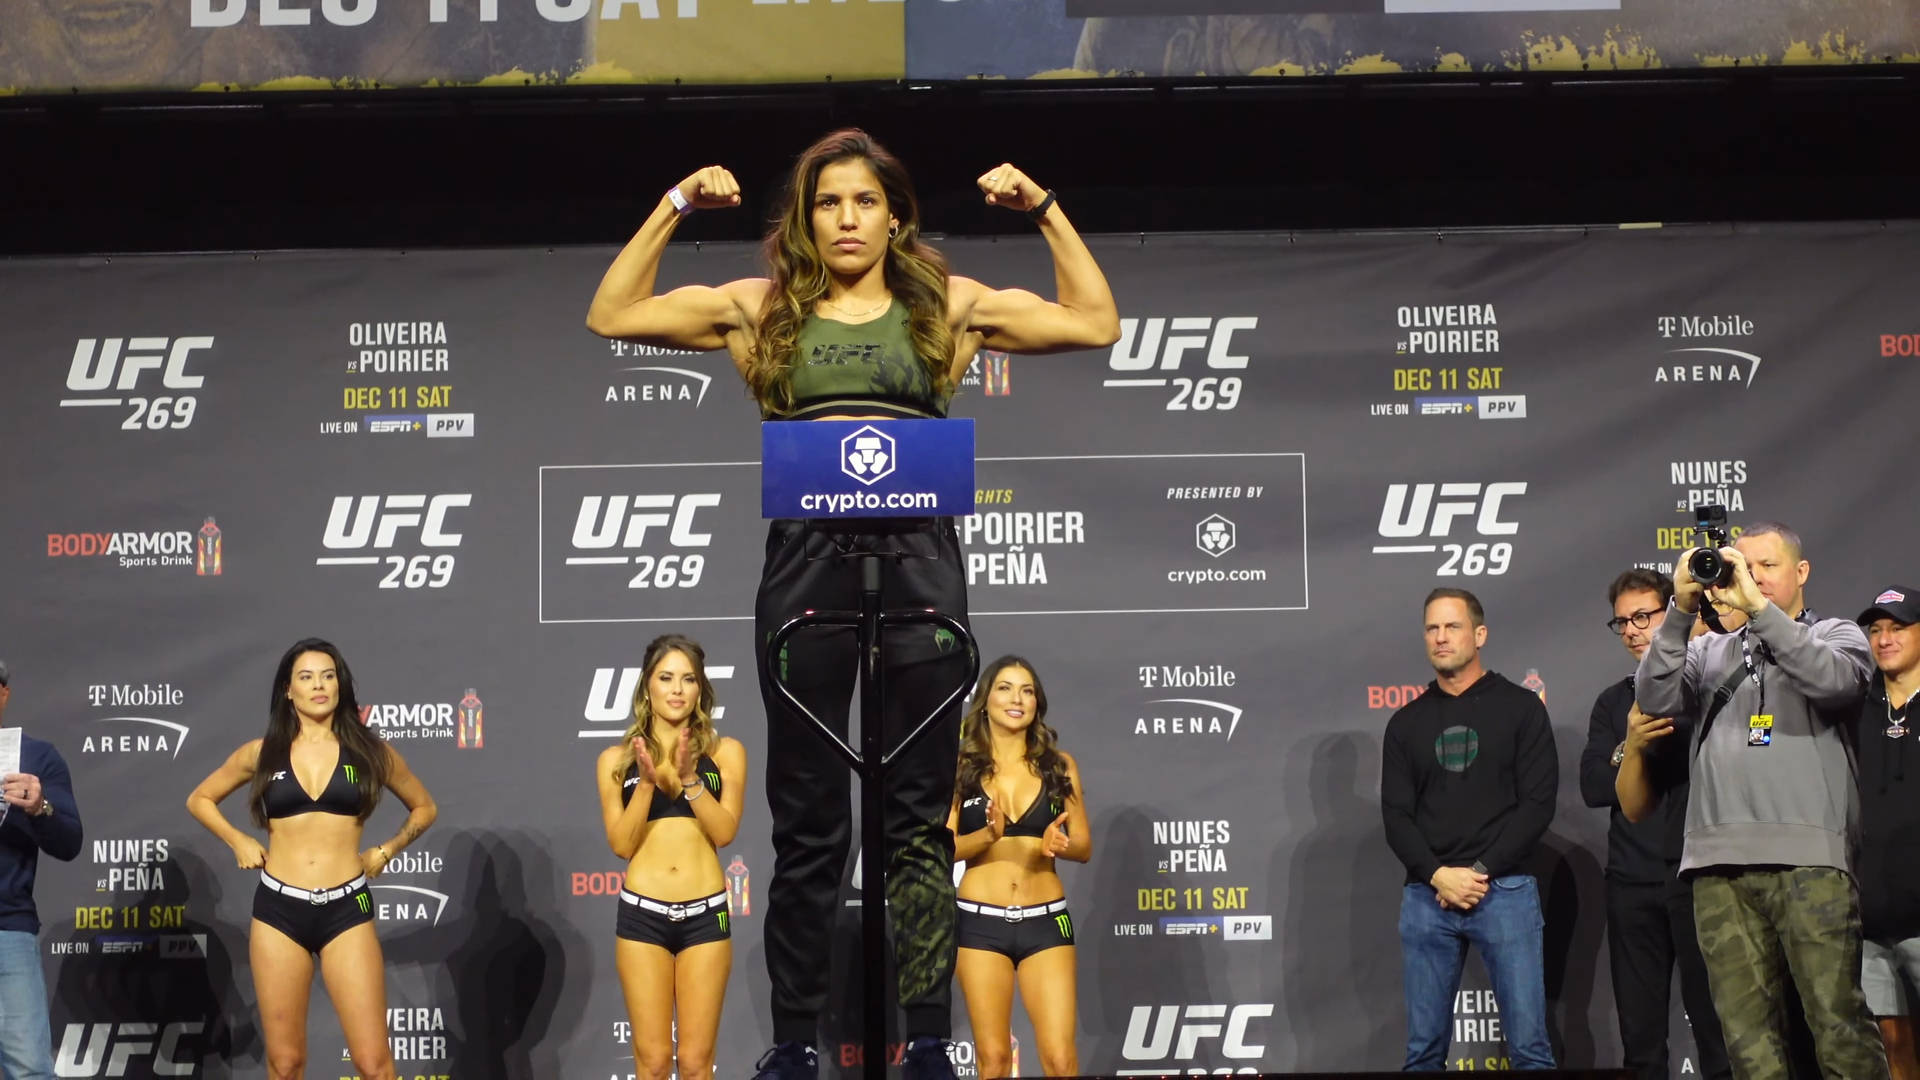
{"points": [[1758, 928], [920, 898]]}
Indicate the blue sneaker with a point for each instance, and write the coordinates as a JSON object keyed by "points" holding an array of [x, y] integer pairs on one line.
{"points": [[788, 1061], [927, 1059]]}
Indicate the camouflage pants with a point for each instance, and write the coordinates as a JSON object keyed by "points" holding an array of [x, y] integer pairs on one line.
{"points": [[1760, 927]]}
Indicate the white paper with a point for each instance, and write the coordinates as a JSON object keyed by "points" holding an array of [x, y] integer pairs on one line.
{"points": [[9, 750]]}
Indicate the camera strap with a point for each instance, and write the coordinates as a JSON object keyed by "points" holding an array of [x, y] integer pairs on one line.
{"points": [[1721, 695]]}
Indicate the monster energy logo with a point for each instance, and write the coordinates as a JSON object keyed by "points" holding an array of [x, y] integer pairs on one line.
{"points": [[713, 779], [353, 774], [366, 905], [942, 639], [723, 921], [1065, 923]]}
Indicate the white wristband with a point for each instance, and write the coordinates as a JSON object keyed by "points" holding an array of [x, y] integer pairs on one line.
{"points": [[680, 204]]}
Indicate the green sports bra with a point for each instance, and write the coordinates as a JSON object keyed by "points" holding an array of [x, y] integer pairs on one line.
{"points": [[864, 367]]}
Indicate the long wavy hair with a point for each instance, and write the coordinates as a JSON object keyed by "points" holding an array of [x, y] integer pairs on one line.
{"points": [[360, 746], [915, 272], [699, 735], [976, 738]]}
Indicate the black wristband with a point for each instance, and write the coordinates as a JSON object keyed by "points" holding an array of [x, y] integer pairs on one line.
{"points": [[1040, 210]]}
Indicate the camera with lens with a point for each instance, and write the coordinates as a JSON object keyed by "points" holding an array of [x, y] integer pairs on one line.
{"points": [[1706, 564]]}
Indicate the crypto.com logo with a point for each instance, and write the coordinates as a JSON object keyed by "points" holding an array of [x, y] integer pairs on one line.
{"points": [[868, 455]]}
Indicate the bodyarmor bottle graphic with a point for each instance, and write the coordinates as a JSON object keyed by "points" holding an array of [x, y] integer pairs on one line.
{"points": [[994, 374], [206, 561], [1013, 1063], [739, 899], [469, 727], [1535, 683]]}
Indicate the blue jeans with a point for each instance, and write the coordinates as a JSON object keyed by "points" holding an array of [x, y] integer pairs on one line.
{"points": [[25, 1040], [1505, 925]]}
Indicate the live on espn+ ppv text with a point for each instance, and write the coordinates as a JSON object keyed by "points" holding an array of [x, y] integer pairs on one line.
{"points": [[1212, 539]]}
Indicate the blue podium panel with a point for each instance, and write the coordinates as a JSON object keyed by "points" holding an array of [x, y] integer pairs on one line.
{"points": [[866, 468]]}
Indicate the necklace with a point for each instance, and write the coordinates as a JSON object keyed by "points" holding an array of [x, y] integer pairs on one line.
{"points": [[1897, 728], [888, 299]]}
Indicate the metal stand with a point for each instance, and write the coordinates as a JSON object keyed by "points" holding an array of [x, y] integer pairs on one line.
{"points": [[871, 764]]}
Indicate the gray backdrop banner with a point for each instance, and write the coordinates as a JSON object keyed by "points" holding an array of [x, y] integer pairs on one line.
{"points": [[1212, 538]]}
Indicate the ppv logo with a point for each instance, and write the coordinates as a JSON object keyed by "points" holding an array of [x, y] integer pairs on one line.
{"points": [[96, 362], [1147, 347], [1176, 1033], [609, 521], [85, 1048], [377, 521], [1411, 511], [868, 455], [610, 699]]}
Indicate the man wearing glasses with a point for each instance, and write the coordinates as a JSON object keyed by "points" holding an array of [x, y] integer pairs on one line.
{"points": [[1649, 909]]}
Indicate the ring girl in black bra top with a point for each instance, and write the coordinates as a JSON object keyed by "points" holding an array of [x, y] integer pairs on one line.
{"points": [[311, 783], [1017, 806], [671, 794], [858, 319]]}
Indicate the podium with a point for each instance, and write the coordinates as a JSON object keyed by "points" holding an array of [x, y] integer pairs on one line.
{"points": [[867, 478]]}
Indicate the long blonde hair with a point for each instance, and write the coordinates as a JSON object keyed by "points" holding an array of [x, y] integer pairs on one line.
{"points": [[699, 733], [916, 273]]}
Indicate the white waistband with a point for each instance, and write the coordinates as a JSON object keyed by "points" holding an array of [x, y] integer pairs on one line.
{"points": [[310, 896], [677, 912], [1014, 914]]}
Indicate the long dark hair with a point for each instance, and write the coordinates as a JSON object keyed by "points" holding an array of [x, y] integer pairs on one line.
{"points": [[700, 736], [915, 272], [976, 738], [358, 745]]}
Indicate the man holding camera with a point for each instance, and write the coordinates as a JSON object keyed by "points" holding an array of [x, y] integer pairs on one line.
{"points": [[1772, 805], [1649, 908], [1889, 866]]}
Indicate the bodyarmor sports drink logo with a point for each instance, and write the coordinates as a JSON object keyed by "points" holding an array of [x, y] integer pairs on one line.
{"points": [[109, 1049], [1412, 512], [410, 903], [460, 722], [1535, 683], [1392, 697], [147, 734], [202, 549], [739, 888], [869, 455], [105, 369], [991, 371], [383, 522], [1192, 1037], [609, 526], [1188, 847], [1706, 363], [131, 864], [1900, 344], [1146, 346], [649, 384], [610, 699]]}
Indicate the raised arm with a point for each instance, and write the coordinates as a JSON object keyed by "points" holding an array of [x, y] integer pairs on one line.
{"points": [[699, 317], [720, 818], [626, 826], [1070, 836], [1082, 315], [204, 804]]}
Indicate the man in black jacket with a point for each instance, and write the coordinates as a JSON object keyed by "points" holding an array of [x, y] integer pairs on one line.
{"points": [[1467, 785], [1888, 867], [1649, 909]]}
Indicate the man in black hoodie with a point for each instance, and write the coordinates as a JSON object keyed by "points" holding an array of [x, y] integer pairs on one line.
{"points": [[1649, 908], [1888, 866], [1467, 785]]}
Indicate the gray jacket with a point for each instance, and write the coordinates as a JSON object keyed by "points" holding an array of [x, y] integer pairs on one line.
{"points": [[1792, 803]]}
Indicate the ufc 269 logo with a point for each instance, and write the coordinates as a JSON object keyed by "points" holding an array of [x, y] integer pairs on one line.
{"points": [[1147, 346], [1427, 511], [385, 522], [104, 369], [1186, 1039], [609, 527], [108, 1049]]}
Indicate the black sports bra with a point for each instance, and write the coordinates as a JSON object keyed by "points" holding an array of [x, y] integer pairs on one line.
{"points": [[664, 805], [1040, 814], [285, 797]]}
